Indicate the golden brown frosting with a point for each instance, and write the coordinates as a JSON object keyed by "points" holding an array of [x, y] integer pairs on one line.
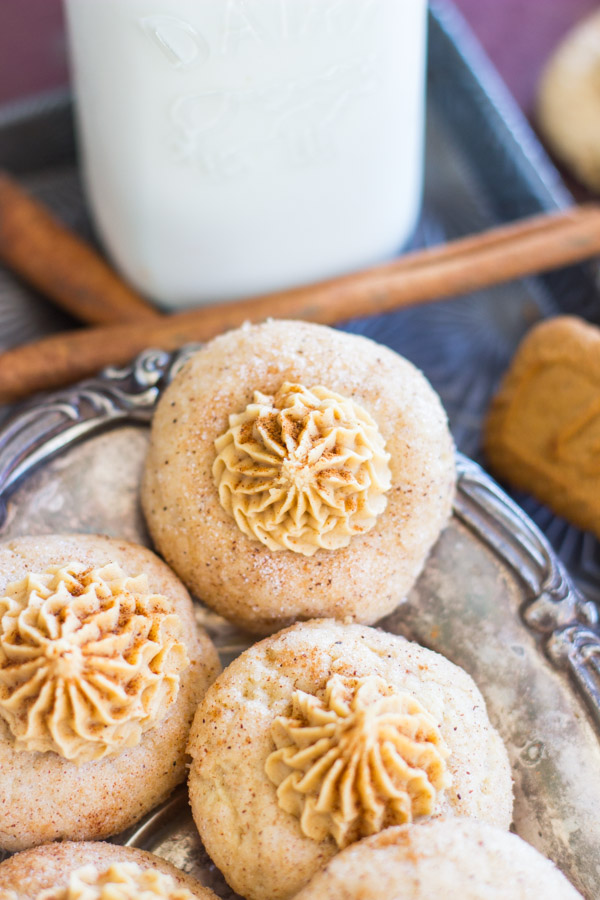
{"points": [[359, 759], [122, 881], [303, 469], [89, 660]]}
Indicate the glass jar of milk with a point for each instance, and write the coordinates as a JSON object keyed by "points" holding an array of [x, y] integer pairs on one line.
{"points": [[234, 147]]}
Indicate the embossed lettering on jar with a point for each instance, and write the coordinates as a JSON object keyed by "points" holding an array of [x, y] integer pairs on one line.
{"points": [[222, 138]]}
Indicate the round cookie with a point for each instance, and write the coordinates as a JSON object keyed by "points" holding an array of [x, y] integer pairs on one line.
{"points": [[463, 859], [568, 99], [25, 875], [237, 575], [264, 850], [47, 796]]}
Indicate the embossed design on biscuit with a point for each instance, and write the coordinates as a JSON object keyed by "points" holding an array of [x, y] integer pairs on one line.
{"points": [[542, 432], [561, 407], [89, 660], [577, 441], [359, 759], [303, 469], [121, 881]]}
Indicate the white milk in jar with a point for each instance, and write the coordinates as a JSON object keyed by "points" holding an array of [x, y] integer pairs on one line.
{"points": [[234, 147]]}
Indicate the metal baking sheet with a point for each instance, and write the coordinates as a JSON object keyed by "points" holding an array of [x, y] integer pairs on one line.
{"points": [[484, 166], [493, 598]]}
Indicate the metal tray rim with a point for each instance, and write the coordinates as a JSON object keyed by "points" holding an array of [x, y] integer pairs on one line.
{"points": [[555, 611], [564, 625]]}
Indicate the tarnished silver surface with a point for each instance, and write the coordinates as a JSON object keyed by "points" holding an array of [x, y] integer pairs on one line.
{"points": [[118, 395], [493, 598], [483, 166]]}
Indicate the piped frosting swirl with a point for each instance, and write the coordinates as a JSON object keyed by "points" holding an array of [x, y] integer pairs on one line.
{"points": [[303, 469], [89, 660], [357, 759], [121, 881]]}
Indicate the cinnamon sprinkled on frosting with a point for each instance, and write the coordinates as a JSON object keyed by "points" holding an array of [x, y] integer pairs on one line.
{"points": [[359, 759], [303, 469], [89, 660], [122, 881]]}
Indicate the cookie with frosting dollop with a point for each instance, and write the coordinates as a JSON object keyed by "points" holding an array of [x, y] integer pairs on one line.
{"points": [[327, 733], [101, 667], [95, 871], [297, 471]]}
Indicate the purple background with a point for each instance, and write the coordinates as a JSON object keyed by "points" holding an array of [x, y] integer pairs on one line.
{"points": [[517, 34]]}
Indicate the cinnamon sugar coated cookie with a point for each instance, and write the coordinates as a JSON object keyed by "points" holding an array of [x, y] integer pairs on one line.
{"points": [[325, 733], [568, 97], [101, 669], [465, 859], [296, 471], [543, 429], [95, 871]]}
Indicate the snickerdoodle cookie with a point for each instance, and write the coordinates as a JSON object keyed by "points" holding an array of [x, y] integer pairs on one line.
{"points": [[568, 97], [325, 733], [465, 859], [296, 471], [95, 871], [101, 670]]}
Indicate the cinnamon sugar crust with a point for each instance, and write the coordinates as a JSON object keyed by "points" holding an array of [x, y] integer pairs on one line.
{"points": [[261, 848], [45, 797], [465, 859], [24, 876], [240, 577]]}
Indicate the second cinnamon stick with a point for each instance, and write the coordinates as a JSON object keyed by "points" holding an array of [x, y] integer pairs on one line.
{"points": [[49, 256], [504, 254]]}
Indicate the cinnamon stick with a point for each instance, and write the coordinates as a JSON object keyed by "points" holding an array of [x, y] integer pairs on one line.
{"points": [[61, 265], [503, 254]]}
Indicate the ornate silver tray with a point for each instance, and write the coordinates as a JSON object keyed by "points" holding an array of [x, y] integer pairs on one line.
{"points": [[493, 598], [484, 166]]}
